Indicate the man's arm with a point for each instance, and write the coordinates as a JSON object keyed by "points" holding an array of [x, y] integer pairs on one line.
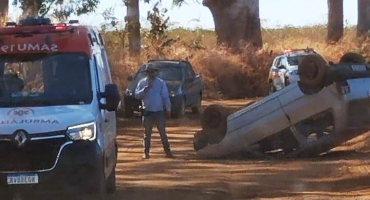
{"points": [[166, 97], [141, 89]]}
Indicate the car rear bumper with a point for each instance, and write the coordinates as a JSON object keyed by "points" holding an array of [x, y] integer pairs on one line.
{"points": [[74, 171]]}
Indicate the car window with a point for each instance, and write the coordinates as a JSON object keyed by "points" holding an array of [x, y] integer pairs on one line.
{"points": [[294, 60], [167, 72], [278, 62], [275, 61], [170, 73], [102, 69], [189, 71], [45, 79], [106, 70], [283, 61]]}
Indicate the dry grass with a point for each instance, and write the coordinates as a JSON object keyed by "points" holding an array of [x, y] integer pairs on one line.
{"points": [[227, 74]]}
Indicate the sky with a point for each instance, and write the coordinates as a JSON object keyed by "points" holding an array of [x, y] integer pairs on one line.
{"points": [[273, 13]]}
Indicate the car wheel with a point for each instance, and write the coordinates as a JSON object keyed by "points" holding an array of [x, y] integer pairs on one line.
{"points": [[312, 73], [97, 187], [129, 112], [198, 108], [200, 140], [352, 57], [111, 182]]}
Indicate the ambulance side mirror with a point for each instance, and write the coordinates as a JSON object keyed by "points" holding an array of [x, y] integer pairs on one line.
{"points": [[112, 97]]}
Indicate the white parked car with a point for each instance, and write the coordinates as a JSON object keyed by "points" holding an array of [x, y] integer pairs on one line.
{"points": [[329, 105], [284, 69]]}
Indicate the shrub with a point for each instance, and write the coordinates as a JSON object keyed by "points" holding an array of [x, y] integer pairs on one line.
{"points": [[227, 74]]}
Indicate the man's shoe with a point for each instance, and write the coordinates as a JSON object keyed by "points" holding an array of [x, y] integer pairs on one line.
{"points": [[169, 155], [146, 156]]}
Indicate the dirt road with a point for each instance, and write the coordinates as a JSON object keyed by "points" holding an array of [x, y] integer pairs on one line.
{"points": [[344, 174]]}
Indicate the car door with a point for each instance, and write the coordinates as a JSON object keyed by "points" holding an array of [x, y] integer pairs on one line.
{"points": [[274, 67], [189, 88], [108, 119]]}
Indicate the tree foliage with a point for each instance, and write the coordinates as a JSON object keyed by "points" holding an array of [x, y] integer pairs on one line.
{"points": [[60, 9], [178, 2]]}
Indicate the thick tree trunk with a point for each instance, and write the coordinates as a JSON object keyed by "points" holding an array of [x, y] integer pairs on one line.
{"points": [[4, 8], [335, 20], [363, 19], [236, 20], [253, 33], [30, 8], [133, 26]]}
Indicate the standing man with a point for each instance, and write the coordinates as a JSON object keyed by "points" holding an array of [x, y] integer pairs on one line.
{"points": [[156, 106]]}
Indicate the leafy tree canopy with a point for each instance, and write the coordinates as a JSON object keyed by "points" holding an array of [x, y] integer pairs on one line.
{"points": [[61, 10]]}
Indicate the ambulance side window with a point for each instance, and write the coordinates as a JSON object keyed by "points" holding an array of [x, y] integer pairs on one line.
{"points": [[102, 70], [107, 74], [96, 38], [99, 79]]}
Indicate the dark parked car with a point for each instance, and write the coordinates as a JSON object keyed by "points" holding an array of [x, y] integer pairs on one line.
{"points": [[185, 87]]}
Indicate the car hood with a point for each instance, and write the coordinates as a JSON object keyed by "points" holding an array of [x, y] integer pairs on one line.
{"points": [[171, 85], [43, 119]]}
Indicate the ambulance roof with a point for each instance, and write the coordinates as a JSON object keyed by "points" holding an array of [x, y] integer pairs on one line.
{"points": [[39, 35]]}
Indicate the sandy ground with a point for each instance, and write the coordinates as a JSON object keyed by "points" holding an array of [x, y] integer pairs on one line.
{"points": [[343, 174]]}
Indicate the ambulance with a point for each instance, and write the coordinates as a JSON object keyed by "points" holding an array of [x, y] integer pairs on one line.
{"points": [[57, 109]]}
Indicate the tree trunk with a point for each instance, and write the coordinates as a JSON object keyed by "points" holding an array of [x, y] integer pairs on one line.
{"points": [[30, 8], [133, 26], [236, 20], [4, 8], [253, 33], [335, 20], [363, 19]]}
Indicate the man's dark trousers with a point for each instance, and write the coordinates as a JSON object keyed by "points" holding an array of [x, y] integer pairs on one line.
{"points": [[159, 119]]}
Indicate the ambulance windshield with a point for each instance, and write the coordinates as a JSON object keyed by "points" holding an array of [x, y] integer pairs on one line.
{"points": [[44, 79]]}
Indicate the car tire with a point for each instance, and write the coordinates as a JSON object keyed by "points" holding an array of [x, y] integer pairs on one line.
{"points": [[352, 57], [200, 140], [312, 73], [111, 182], [197, 109], [214, 117], [97, 186], [129, 112]]}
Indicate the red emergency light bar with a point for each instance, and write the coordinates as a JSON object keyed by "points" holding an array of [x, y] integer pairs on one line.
{"points": [[292, 51], [32, 36], [61, 26], [30, 30]]}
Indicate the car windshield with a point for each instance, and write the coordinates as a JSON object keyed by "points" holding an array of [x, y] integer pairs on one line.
{"points": [[167, 72], [294, 60], [44, 79]]}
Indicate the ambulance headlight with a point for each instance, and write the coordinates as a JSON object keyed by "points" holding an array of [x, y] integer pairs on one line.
{"points": [[86, 131]]}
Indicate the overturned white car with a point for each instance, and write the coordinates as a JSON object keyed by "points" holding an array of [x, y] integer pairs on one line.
{"points": [[328, 106]]}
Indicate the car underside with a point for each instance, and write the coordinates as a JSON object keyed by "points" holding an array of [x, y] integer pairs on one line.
{"points": [[327, 107]]}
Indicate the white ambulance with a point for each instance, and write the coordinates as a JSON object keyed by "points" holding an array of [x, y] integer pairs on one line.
{"points": [[57, 109]]}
